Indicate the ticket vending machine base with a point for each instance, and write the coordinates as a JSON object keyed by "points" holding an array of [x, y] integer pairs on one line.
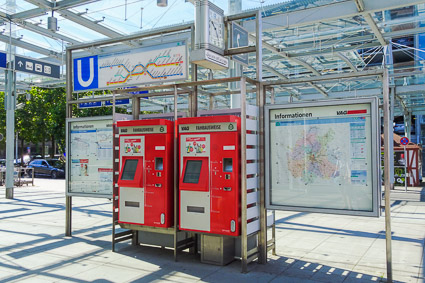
{"points": [[217, 249]]}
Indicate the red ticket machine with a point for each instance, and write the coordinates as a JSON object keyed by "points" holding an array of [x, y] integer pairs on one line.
{"points": [[209, 182], [145, 184]]}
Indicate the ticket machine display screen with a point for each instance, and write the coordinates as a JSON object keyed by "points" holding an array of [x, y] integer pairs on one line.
{"points": [[129, 170], [193, 171]]}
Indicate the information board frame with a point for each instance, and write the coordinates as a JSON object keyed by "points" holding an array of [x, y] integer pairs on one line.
{"points": [[68, 176], [375, 155]]}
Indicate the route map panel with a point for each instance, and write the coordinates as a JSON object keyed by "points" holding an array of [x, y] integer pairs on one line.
{"points": [[90, 161], [321, 157], [146, 65]]}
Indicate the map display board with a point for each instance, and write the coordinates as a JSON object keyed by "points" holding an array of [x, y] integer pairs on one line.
{"points": [[151, 64], [90, 157], [323, 157]]}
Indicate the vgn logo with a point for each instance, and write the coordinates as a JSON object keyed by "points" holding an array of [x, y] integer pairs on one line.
{"points": [[86, 73]]}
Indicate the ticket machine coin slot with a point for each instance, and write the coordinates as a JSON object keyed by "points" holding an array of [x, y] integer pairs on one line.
{"points": [[227, 189]]}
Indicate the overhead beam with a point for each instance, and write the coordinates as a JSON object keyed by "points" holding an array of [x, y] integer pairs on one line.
{"points": [[347, 61], [37, 29], [89, 24], [29, 46], [319, 89], [46, 6], [368, 18]]}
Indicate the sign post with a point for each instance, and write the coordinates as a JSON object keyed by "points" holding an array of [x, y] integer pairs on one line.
{"points": [[405, 141]]}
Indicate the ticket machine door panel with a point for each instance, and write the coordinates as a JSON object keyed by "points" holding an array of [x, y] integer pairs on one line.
{"points": [[210, 200], [146, 181], [131, 189]]}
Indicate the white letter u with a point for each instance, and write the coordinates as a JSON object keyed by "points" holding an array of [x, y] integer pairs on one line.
{"points": [[80, 79]]}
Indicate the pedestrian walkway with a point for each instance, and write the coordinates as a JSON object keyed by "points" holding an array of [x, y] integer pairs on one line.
{"points": [[310, 247]]}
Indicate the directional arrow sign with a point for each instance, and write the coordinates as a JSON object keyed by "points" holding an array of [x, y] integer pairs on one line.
{"points": [[32, 66], [239, 39]]}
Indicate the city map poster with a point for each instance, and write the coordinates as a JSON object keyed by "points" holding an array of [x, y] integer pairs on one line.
{"points": [[90, 163], [321, 157]]}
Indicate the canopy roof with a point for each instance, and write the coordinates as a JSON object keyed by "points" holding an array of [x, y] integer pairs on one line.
{"points": [[301, 39]]}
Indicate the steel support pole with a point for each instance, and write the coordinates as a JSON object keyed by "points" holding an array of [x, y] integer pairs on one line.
{"points": [[10, 131], [260, 93], [68, 200], [261, 154], [135, 108], [259, 44], [388, 139], [193, 96], [407, 124], [244, 235], [176, 174], [235, 70]]}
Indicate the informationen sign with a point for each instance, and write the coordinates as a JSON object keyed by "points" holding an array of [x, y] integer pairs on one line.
{"points": [[90, 157], [323, 157], [153, 64]]}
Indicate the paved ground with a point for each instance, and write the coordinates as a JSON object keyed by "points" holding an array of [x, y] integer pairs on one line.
{"points": [[310, 247]]}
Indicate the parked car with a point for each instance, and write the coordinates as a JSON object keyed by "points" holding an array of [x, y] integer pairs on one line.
{"points": [[54, 168]]}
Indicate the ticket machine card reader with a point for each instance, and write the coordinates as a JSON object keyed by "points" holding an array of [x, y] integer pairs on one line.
{"points": [[209, 182], [146, 172]]}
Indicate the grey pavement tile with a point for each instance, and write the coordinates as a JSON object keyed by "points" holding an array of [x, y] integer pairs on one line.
{"points": [[34, 278], [302, 269], [347, 248], [288, 279], [107, 273], [331, 274], [332, 257], [275, 265]]}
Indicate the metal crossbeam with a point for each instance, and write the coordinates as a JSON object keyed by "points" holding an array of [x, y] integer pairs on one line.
{"points": [[89, 23], [46, 32], [29, 46], [347, 61], [368, 18]]}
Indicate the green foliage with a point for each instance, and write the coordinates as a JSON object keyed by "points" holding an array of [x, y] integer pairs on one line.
{"points": [[42, 118]]}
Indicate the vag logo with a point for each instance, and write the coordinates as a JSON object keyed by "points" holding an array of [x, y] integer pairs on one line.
{"points": [[86, 73], [341, 112]]}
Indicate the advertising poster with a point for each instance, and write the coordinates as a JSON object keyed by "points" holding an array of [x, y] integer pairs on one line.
{"points": [[322, 157], [90, 161]]}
